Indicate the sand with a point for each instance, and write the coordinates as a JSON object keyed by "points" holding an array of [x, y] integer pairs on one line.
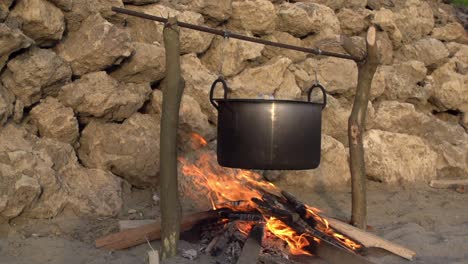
{"points": [[432, 222]]}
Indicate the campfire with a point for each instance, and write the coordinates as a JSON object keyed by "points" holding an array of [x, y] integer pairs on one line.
{"points": [[249, 216], [244, 200]]}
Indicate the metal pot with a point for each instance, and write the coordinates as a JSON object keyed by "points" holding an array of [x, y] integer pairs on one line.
{"points": [[268, 134]]}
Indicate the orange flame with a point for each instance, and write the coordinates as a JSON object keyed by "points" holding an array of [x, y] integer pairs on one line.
{"points": [[234, 189]]}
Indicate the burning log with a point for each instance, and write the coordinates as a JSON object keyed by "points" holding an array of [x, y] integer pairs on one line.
{"points": [[252, 246]]}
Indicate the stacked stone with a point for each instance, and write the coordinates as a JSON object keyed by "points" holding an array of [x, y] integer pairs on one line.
{"points": [[80, 91]]}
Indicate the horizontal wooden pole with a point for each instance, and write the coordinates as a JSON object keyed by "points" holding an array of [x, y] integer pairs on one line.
{"points": [[229, 34]]}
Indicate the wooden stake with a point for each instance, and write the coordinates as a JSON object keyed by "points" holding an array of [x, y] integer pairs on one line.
{"points": [[172, 95], [356, 127]]}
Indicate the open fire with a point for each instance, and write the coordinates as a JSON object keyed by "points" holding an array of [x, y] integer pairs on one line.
{"points": [[244, 196]]}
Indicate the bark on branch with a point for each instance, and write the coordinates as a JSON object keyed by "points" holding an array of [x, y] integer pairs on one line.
{"points": [[356, 126], [172, 94]]}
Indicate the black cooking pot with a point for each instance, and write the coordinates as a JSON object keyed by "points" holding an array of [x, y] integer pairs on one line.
{"points": [[268, 134]]}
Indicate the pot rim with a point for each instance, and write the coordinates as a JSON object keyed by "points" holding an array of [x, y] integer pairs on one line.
{"points": [[264, 101]]}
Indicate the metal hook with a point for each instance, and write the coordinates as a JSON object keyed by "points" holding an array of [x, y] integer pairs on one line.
{"points": [[226, 35]]}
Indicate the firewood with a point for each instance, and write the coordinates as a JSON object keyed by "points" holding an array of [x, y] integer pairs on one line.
{"points": [[370, 240], [252, 247], [129, 224], [153, 257], [453, 184], [136, 236]]}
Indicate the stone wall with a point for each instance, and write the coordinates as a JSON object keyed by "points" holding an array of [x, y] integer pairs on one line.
{"points": [[80, 91]]}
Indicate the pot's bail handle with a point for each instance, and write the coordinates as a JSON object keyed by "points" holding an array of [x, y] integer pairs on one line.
{"points": [[213, 86], [324, 93]]}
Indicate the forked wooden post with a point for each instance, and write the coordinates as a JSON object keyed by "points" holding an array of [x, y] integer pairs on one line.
{"points": [[172, 95], [357, 125]]}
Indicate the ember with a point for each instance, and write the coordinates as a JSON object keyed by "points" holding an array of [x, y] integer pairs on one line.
{"points": [[243, 196]]}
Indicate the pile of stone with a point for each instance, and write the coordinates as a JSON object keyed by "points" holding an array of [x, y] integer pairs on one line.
{"points": [[80, 91]]}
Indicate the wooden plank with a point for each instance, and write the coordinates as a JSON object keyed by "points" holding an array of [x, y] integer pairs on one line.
{"points": [[129, 224], [136, 236], [449, 183], [252, 247], [370, 240]]}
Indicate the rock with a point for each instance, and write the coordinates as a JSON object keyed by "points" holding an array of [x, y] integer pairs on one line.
{"points": [[190, 254], [451, 83], [11, 40], [36, 73], [151, 31], [356, 3], [64, 5], [449, 32], [39, 20], [288, 89], [337, 75], [147, 64], [449, 140], [191, 117], [257, 16], [428, 50], [44, 174], [5, 9], [405, 80], [140, 2], [80, 10], [111, 101], [353, 22], [397, 158], [54, 120], [97, 45], [385, 50], [7, 100], [386, 20], [198, 80], [129, 150], [464, 121], [378, 4], [301, 19], [415, 20], [219, 10], [234, 54], [18, 111], [283, 37], [257, 82], [333, 171], [378, 83]]}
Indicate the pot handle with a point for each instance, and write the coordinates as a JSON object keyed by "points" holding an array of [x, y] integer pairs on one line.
{"points": [[213, 86], [324, 93]]}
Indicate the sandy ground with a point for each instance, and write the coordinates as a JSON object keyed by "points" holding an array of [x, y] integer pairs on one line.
{"points": [[432, 222]]}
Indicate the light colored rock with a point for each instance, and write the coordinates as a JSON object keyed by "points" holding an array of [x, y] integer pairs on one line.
{"points": [[219, 10], [397, 158], [464, 121], [386, 20], [36, 73], [258, 81], [288, 89], [449, 140], [257, 16], [82, 9], [198, 80], [428, 50], [129, 150], [449, 32], [415, 20], [54, 120], [353, 22], [18, 111], [451, 83], [385, 50], [378, 4], [333, 171], [147, 64], [191, 117], [337, 75], [234, 54], [301, 19], [356, 3], [64, 5], [378, 83], [39, 179], [7, 100], [283, 37], [403, 81], [99, 95], [11, 40], [39, 20], [97, 45], [5, 9]]}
